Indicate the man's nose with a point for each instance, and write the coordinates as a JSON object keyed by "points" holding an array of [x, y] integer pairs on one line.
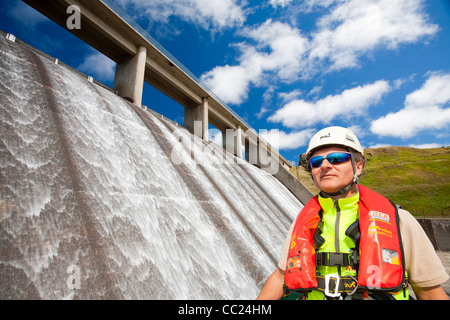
{"points": [[326, 164]]}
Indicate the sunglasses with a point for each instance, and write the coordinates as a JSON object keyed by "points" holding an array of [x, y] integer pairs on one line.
{"points": [[333, 158]]}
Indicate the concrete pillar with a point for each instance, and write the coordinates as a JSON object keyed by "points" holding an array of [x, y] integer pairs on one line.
{"points": [[196, 119], [129, 78], [205, 120]]}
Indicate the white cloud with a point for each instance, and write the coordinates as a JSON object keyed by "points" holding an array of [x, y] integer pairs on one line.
{"points": [[398, 83], [267, 97], [408, 122], [289, 96], [310, 5], [315, 91], [357, 27], [285, 46], [281, 3], [217, 14], [281, 140], [426, 145], [425, 109], [380, 145], [359, 131], [277, 49], [98, 66], [348, 104], [230, 83], [435, 91]]}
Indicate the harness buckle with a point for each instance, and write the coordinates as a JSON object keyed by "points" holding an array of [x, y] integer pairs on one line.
{"points": [[327, 292], [354, 258], [337, 259]]}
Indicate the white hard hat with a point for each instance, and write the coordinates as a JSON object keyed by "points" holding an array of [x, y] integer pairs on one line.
{"points": [[334, 136]]}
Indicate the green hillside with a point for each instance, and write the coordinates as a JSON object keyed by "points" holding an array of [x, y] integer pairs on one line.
{"points": [[418, 179]]}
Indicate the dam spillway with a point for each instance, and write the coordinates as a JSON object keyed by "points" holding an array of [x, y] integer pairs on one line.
{"points": [[100, 199]]}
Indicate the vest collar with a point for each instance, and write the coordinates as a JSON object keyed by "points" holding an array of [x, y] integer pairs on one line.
{"points": [[327, 203]]}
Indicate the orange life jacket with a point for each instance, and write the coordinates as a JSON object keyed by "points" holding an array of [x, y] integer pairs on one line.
{"points": [[381, 264]]}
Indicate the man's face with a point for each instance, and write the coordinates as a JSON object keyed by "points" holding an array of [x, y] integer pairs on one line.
{"points": [[331, 178]]}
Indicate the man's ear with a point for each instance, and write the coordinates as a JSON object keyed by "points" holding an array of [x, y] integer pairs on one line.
{"points": [[359, 167]]}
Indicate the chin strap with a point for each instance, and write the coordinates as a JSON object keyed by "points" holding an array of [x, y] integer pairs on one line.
{"points": [[347, 187]]}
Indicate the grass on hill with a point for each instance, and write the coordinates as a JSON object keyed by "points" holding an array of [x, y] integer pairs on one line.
{"points": [[418, 179]]}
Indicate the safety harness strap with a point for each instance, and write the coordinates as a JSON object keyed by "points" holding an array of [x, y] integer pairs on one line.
{"points": [[353, 231], [337, 259], [318, 239]]}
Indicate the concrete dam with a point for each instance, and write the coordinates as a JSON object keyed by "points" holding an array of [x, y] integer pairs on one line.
{"points": [[101, 199]]}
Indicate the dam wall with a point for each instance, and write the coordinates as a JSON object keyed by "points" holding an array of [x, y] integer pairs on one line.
{"points": [[438, 231], [101, 199]]}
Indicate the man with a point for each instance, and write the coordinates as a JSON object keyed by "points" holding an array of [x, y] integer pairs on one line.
{"points": [[349, 242]]}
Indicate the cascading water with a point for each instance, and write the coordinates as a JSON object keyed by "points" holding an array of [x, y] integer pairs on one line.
{"points": [[103, 200]]}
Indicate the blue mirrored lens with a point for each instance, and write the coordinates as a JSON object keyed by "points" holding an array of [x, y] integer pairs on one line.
{"points": [[316, 162], [333, 158]]}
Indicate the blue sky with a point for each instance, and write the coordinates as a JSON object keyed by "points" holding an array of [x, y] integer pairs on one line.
{"points": [[379, 67]]}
